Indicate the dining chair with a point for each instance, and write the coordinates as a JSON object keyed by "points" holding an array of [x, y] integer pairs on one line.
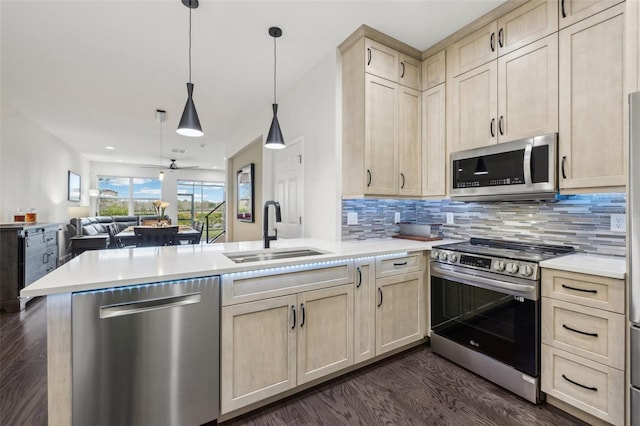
{"points": [[152, 237], [114, 241], [198, 226]]}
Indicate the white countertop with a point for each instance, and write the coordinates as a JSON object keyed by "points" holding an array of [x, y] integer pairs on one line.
{"points": [[98, 269], [605, 266]]}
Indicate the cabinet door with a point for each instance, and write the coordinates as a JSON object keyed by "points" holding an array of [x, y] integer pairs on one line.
{"points": [[528, 91], [409, 143], [381, 136], [474, 108], [529, 22], [325, 332], [434, 159], [433, 70], [409, 71], [572, 11], [593, 105], [475, 49], [365, 312], [257, 351], [380, 60], [399, 309]]}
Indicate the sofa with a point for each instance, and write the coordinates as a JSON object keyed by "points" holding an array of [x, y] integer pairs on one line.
{"points": [[98, 224]]}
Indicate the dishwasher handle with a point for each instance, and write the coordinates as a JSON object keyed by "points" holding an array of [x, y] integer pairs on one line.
{"points": [[142, 306]]}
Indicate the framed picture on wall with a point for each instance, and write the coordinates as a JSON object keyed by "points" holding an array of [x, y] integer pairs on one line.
{"points": [[73, 186], [245, 194]]}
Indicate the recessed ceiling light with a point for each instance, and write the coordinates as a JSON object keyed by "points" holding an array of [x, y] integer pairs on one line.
{"points": [[119, 161], [110, 148]]}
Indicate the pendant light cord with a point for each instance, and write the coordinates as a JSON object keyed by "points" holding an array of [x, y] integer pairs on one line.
{"points": [[275, 58], [189, 45]]}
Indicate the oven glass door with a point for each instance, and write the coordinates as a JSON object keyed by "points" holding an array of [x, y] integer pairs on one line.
{"points": [[502, 326]]}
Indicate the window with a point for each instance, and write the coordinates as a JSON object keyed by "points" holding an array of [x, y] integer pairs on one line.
{"points": [[122, 196], [196, 199]]}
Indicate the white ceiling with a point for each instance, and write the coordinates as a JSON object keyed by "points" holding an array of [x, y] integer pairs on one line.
{"points": [[94, 72]]}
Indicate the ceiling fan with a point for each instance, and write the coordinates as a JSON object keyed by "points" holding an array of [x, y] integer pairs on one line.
{"points": [[174, 166]]}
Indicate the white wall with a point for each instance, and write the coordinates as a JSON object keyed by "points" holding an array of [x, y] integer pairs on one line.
{"points": [[169, 184], [309, 110], [33, 169]]}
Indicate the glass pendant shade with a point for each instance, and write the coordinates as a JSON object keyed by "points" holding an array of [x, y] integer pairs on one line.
{"points": [[190, 123], [274, 138]]}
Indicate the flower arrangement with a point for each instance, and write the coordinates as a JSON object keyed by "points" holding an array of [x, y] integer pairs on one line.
{"points": [[160, 207]]}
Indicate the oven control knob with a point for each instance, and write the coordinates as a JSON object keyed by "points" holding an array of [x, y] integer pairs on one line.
{"points": [[526, 270], [434, 255], [453, 258], [443, 256], [512, 268], [499, 266]]}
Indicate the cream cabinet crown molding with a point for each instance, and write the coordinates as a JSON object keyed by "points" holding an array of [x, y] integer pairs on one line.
{"points": [[491, 16], [365, 31]]}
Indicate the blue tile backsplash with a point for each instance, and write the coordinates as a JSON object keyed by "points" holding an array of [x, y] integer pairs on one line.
{"points": [[581, 221]]}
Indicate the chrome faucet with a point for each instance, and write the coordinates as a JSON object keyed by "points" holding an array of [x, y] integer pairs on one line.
{"points": [[265, 222]]}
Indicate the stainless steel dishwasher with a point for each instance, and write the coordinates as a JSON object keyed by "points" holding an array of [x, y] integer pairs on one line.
{"points": [[146, 354]]}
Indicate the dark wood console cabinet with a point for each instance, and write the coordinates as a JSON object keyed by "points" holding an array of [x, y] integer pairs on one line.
{"points": [[27, 252]]}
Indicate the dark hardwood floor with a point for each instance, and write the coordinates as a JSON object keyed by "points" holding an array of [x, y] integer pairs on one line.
{"points": [[413, 388]]}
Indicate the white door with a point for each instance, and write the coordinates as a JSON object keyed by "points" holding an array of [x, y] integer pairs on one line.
{"points": [[289, 172]]}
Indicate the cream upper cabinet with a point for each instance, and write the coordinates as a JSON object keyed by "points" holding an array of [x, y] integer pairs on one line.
{"points": [[434, 70], [528, 91], [593, 105], [512, 98], [475, 49], [409, 143], [381, 130], [572, 11], [381, 136], [364, 335], [474, 105], [381, 60], [409, 72], [434, 157], [399, 311], [530, 22], [268, 328], [325, 332]]}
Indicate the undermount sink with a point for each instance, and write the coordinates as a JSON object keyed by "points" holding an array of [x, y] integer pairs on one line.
{"points": [[263, 255]]}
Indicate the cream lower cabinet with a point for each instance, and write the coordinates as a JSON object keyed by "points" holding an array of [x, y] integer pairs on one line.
{"points": [[399, 310], [583, 340], [365, 311], [272, 345]]}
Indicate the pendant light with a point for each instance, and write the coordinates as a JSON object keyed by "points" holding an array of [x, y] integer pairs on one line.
{"points": [[161, 116], [274, 138], [189, 123]]}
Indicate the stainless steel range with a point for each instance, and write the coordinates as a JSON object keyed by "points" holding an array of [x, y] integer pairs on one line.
{"points": [[485, 309]]}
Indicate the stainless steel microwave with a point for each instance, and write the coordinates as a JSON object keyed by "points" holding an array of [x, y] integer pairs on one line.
{"points": [[520, 170]]}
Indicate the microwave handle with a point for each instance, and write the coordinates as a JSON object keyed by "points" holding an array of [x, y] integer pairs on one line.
{"points": [[527, 164]]}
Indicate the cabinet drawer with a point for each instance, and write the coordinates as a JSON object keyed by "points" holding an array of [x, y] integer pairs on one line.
{"points": [[259, 284], [394, 265], [587, 385], [591, 333], [588, 290]]}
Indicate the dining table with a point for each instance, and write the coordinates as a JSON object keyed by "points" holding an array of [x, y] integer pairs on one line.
{"points": [[186, 235]]}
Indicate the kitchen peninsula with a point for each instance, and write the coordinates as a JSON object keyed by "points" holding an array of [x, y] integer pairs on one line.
{"points": [[370, 295]]}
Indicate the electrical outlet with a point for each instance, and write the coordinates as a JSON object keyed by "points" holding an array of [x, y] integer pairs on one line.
{"points": [[396, 217], [352, 218], [618, 223], [450, 218]]}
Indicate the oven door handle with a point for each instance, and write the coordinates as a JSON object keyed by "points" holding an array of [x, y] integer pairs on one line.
{"points": [[524, 290]]}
